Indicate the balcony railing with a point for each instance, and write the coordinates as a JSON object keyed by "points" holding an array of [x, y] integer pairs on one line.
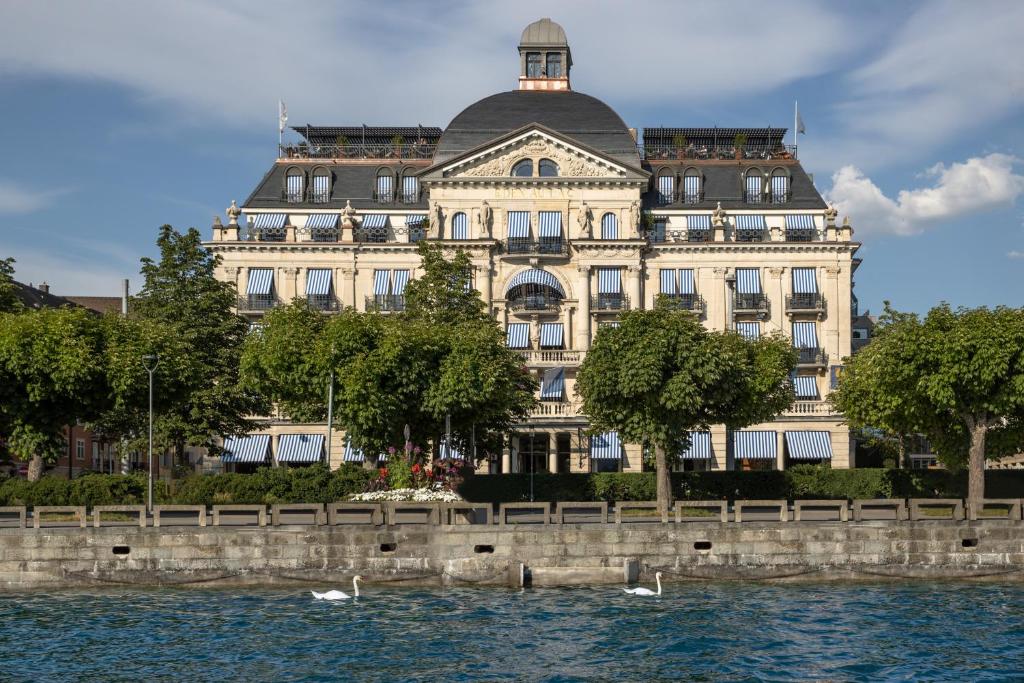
{"points": [[256, 302], [551, 356], [805, 302], [304, 150], [263, 234], [809, 408], [323, 234], [535, 302], [385, 303], [556, 409], [686, 302], [750, 303], [815, 357], [323, 302], [554, 246], [609, 302], [750, 234], [396, 197], [801, 234], [724, 150]]}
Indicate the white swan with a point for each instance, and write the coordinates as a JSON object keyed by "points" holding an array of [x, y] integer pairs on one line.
{"points": [[340, 595], [646, 591]]}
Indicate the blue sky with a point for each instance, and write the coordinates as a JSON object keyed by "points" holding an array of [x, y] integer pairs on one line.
{"points": [[121, 116]]}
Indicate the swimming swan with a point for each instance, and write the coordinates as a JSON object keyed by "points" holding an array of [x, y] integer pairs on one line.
{"points": [[339, 595], [646, 591]]}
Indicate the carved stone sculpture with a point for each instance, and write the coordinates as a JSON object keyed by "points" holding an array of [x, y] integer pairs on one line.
{"points": [[348, 216], [584, 219], [233, 213], [486, 218], [436, 218], [718, 216], [634, 218], [830, 216]]}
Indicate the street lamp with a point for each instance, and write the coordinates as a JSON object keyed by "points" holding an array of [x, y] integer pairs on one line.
{"points": [[149, 362]]}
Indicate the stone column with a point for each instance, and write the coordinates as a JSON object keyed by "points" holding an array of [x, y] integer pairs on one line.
{"points": [[289, 232], [233, 272], [777, 298], [780, 456], [567, 330], [348, 276], [552, 452], [485, 282], [719, 303], [290, 289], [634, 287], [583, 328], [719, 448]]}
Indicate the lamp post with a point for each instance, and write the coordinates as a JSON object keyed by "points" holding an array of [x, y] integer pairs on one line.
{"points": [[533, 461], [149, 362]]}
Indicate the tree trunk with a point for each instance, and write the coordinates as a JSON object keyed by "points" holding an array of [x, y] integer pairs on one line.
{"points": [[664, 481], [35, 467], [976, 467]]}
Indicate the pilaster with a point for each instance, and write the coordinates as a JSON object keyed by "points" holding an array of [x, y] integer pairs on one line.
{"points": [[583, 328], [777, 298]]}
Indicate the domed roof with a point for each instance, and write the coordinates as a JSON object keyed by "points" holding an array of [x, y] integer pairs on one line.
{"points": [[581, 117], [543, 32]]}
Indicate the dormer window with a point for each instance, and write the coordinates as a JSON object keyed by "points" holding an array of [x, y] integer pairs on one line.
{"points": [[548, 169], [385, 188], [666, 186], [780, 186], [534, 65], [523, 169], [295, 181], [321, 186], [691, 186], [752, 186], [554, 65]]}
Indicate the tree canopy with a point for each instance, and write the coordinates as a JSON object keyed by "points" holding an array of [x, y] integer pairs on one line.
{"points": [[661, 374], [9, 302]]}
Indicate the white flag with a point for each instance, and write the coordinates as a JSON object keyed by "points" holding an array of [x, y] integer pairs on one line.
{"points": [[282, 115], [800, 123]]}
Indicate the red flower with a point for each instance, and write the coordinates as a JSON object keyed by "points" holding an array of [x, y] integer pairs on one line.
{"points": [[416, 468], [383, 472]]}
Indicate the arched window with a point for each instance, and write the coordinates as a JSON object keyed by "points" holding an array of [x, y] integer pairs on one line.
{"points": [[385, 187], [460, 227], [321, 185], [294, 185], [666, 186], [534, 65], [609, 227], [692, 186], [554, 65], [547, 168], [780, 186], [410, 189], [523, 169], [752, 187]]}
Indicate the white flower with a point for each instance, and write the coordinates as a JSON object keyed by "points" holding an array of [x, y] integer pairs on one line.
{"points": [[414, 495]]}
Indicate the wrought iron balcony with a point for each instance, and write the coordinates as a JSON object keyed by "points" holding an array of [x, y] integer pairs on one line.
{"points": [[323, 302], [686, 302], [553, 246], [256, 303], [812, 357], [723, 150], [385, 303], [535, 302], [248, 233], [750, 234], [304, 150], [750, 303], [323, 234], [801, 235], [810, 303], [609, 302]]}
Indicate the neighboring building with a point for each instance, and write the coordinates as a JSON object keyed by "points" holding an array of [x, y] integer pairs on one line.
{"points": [[569, 220]]}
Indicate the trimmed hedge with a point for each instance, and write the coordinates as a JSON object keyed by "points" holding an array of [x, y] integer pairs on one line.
{"points": [[88, 490]]}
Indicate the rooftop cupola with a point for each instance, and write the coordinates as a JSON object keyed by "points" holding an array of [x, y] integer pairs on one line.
{"points": [[544, 57]]}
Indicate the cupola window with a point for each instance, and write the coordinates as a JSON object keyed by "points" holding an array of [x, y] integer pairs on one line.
{"points": [[554, 65], [534, 65]]}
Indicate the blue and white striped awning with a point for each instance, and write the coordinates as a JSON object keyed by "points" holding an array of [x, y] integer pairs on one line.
{"points": [[799, 221], [552, 387], [668, 281], [251, 448], [805, 336], [804, 281], [460, 226], [605, 446], [399, 281], [754, 445], [686, 281], [748, 280], [352, 454], [444, 453], [300, 448], [550, 224], [809, 445], [269, 220], [415, 219], [518, 224], [749, 330], [806, 386], [609, 227], [318, 221], [551, 335], [700, 221], [381, 282], [700, 447], [375, 220], [318, 281], [609, 281], [517, 336], [261, 281], [535, 276], [751, 222]]}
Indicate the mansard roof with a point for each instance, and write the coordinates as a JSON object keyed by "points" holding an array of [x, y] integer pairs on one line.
{"points": [[722, 182], [349, 181]]}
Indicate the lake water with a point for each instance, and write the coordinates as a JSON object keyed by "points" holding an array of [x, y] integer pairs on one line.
{"points": [[818, 632]]}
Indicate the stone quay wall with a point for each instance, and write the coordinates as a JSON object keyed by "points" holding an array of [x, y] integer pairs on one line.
{"points": [[526, 545]]}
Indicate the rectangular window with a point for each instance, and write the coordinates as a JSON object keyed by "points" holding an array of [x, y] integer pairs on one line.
{"points": [[534, 65], [554, 69], [95, 454], [805, 336], [749, 330], [518, 225], [518, 336], [552, 336], [748, 281], [668, 281], [460, 226], [80, 449], [658, 235]]}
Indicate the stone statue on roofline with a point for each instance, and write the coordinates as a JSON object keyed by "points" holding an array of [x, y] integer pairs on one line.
{"points": [[718, 216], [831, 213], [233, 213], [348, 217], [584, 220]]}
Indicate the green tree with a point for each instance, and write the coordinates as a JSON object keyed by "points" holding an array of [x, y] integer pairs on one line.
{"points": [[661, 374], [182, 294], [957, 376], [52, 372], [9, 301], [444, 293]]}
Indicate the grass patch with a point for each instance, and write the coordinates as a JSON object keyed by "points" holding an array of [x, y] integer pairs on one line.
{"points": [[639, 512], [698, 512], [996, 511], [936, 510]]}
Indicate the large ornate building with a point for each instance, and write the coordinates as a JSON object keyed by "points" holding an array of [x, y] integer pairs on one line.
{"points": [[569, 217]]}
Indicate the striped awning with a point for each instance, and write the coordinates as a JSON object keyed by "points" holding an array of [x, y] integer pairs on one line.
{"points": [[668, 281], [700, 447], [609, 281], [375, 220], [805, 386], [251, 448], [804, 281], [535, 276], [444, 453], [550, 224], [318, 281], [269, 220], [686, 281], [748, 280], [700, 221], [517, 336], [552, 387], [799, 221], [518, 224], [551, 335], [749, 330], [609, 227], [605, 446], [318, 221], [809, 445], [805, 336], [261, 281], [415, 219], [300, 448], [381, 282], [460, 226], [352, 454], [754, 222], [754, 445], [399, 281]]}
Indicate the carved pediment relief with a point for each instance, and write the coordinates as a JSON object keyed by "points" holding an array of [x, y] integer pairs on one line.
{"points": [[572, 163]]}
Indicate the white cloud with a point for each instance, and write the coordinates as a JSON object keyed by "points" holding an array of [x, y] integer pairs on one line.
{"points": [[978, 184], [16, 198], [75, 271], [1015, 254]]}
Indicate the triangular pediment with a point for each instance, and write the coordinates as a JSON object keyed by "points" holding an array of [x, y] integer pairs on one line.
{"points": [[495, 159]]}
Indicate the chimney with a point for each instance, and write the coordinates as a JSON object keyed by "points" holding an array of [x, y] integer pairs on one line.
{"points": [[124, 296], [44, 288]]}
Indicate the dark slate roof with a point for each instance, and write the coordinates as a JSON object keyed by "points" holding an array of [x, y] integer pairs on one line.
{"points": [[32, 297], [575, 115], [375, 135], [722, 183], [349, 181]]}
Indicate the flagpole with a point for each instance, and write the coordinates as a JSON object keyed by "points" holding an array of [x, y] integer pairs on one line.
{"points": [[796, 119]]}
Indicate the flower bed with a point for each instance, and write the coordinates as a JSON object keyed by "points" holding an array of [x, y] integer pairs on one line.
{"points": [[414, 495]]}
